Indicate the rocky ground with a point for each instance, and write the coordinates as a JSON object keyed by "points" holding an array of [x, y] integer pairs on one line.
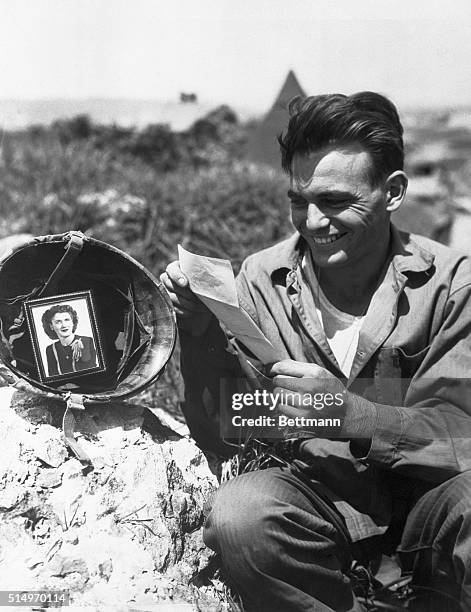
{"points": [[124, 533]]}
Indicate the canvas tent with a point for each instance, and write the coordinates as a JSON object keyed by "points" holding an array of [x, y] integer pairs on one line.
{"points": [[263, 146]]}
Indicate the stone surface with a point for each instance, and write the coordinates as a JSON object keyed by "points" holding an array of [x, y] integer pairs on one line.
{"points": [[12, 242], [124, 533]]}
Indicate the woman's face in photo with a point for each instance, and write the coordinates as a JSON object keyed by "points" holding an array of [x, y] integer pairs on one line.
{"points": [[62, 324]]}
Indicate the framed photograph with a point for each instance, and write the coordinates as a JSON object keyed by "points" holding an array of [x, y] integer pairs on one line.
{"points": [[65, 336]]}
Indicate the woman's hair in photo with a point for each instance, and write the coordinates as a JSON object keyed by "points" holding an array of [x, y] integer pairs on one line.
{"points": [[46, 319]]}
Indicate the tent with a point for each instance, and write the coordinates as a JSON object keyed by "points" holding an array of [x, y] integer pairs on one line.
{"points": [[263, 146]]}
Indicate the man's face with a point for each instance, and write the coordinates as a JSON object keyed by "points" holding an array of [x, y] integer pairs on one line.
{"points": [[62, 324], [336, 207]]}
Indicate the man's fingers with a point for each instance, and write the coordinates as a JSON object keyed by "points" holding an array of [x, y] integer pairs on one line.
{"points": [[175, 274], [182, 297], [171, 285], [289, 367], [184, 292], [185, 302], [291, 411], [192, 315], [293, 398], [301, 397], [293, 383]]}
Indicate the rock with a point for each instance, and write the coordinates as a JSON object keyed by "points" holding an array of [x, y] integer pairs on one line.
{"points": [[63, 566], [12, 242], [124, 534], [106, 569], [71, 469], [48, 479], [49, 446], [12, 496], [71, 536]]}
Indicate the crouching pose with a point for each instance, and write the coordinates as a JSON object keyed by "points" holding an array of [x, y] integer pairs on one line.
{"points": [[381, 317]]}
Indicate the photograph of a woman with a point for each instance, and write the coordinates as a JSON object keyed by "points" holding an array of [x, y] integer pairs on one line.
{"points": [[69, 352], [68, 320]]}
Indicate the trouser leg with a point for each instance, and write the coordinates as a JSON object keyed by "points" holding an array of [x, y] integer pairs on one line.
{"points": [[436, 545], [277, 545]]}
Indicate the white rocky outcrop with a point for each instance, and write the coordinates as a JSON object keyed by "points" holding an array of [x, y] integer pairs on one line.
{"points": [[122, 534]]}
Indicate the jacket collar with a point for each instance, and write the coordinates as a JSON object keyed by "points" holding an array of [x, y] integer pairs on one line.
{"points": [[407, 255]]}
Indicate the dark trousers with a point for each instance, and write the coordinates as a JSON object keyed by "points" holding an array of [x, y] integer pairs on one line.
{"points": [[285, 553]]}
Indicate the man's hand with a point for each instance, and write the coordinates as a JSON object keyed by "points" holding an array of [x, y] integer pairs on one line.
{"points": [[192, 314], [308, 390]]}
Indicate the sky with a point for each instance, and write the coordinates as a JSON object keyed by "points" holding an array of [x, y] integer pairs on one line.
{"points": [[236, 51]]}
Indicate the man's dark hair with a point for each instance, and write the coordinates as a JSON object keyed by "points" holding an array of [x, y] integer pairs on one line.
{"points": [[46, 319], [366, 118]]}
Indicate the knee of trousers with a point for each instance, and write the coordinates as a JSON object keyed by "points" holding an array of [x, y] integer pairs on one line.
{"points": [[448, 503], [262, 516], [441, 521]]}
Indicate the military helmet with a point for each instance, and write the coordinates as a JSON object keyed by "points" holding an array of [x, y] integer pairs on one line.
{"points": [[131, 327]]}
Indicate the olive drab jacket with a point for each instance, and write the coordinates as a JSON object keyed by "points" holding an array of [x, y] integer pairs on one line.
{"points": [[412, 367]]}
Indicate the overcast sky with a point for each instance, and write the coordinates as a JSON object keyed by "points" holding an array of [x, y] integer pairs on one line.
{"points": [[236, 51]]}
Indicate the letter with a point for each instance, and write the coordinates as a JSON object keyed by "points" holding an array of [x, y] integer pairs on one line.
{"points": [[257, 393], [236, 420], [262, 421], [318, 401], [307, 399], [248, 399], [237, 401], [329, 422], [284, 421], [328, 399], [295, 398], [274, 401], [339, 399]]}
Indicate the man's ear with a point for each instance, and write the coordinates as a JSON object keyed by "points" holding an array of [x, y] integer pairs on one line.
{"points": [[396, 187]]}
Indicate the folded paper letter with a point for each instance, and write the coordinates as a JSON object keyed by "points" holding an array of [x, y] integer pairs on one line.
{"points": [[212, 280]]}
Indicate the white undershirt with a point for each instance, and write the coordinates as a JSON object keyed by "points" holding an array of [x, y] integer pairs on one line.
{"points": [[341, 329]]}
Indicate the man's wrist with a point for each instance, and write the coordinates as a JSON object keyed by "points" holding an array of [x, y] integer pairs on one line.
{"points": [[360, 417]]}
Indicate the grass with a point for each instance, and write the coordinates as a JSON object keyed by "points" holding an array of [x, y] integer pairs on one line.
{"points": [[106, 183], [147, 191]]}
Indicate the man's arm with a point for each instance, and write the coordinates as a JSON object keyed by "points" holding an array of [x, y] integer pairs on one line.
{"points": [[209, 366], [430, 435]]}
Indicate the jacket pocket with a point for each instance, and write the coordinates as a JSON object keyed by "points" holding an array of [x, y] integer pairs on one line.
{"points": [[410, 362], [393, 373]]}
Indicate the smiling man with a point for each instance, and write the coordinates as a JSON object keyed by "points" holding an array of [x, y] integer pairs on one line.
{"points": [[354, 308]]}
